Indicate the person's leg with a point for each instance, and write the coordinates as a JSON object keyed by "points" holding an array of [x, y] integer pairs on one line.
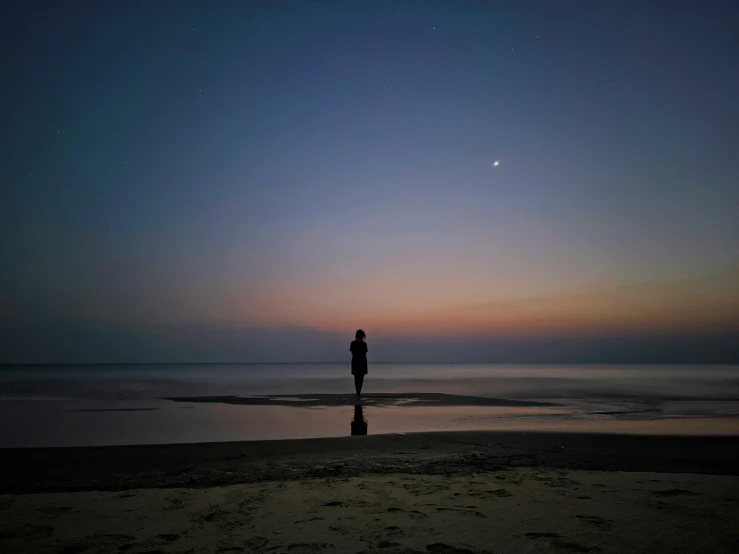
{"points": [[358, 381]]}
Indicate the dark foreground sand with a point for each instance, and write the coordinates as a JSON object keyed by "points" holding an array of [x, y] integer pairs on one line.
{"points": [[435, 492]]}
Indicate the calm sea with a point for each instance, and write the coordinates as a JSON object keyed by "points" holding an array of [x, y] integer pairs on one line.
{"points": [[126, 404]]}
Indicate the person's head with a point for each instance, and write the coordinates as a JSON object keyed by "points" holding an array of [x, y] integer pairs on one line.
{"points": [[360, 334]]}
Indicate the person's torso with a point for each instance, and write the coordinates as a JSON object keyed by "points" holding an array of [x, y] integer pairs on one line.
{"points": [[359, 349]]}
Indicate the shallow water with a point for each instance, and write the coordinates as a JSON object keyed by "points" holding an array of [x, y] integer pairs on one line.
{"points": [[123, 404]]}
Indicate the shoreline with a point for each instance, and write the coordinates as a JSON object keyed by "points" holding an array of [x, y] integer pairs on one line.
{"points": [[200, 465]]}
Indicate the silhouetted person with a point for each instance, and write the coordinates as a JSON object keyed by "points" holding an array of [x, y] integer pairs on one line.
{"points": [[359, 424], [358, 348]]}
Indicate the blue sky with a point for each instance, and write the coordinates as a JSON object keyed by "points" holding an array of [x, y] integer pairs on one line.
{"points": [[328, 165]]}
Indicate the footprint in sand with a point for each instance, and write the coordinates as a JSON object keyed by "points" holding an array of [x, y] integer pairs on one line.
{"points": [[415, 514], [598, 522], [442, 548], [256, 543], [559, 482], [52, 511], [176, 502], [74, 548], [511, 479], [213, 516], [498, 493], [116, 537], [127, 547], [673, 492], [308, 547], [27, 532], [542, 535], [561, 542], [461, 511]]}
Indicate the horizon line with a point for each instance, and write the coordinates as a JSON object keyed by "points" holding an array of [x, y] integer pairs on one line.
{"points": [[5, 364]]}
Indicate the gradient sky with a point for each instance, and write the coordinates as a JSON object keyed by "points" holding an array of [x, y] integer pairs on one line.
{"points": [[252, 181]]}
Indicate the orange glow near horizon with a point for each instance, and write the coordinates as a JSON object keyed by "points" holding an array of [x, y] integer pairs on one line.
{"points": [[690, 305], [407, 307]]}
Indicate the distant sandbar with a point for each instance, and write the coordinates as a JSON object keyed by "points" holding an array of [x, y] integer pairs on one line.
{"points": [[408, 399]]}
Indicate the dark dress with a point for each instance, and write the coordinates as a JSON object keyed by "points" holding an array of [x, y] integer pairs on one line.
{"points": [[358, 348]]}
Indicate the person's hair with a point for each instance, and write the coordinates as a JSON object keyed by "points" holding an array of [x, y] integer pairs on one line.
{"points": [[359, 335]]}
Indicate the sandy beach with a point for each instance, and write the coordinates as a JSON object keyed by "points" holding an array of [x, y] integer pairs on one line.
{"points": [[520, 510], [432, 492]]}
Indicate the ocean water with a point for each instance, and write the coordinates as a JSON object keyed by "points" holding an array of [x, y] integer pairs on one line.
{"points": [[70, 405]]}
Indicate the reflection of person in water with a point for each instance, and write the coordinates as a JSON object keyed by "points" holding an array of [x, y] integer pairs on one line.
{"points": [[359, 424], [358, 348]]}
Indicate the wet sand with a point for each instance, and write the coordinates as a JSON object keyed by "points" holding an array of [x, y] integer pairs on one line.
{"points": [[165, 419], [455, 492], [215, 464]]}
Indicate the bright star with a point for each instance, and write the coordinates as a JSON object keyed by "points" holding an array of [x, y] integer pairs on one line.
{"points": [[496, 163]]}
